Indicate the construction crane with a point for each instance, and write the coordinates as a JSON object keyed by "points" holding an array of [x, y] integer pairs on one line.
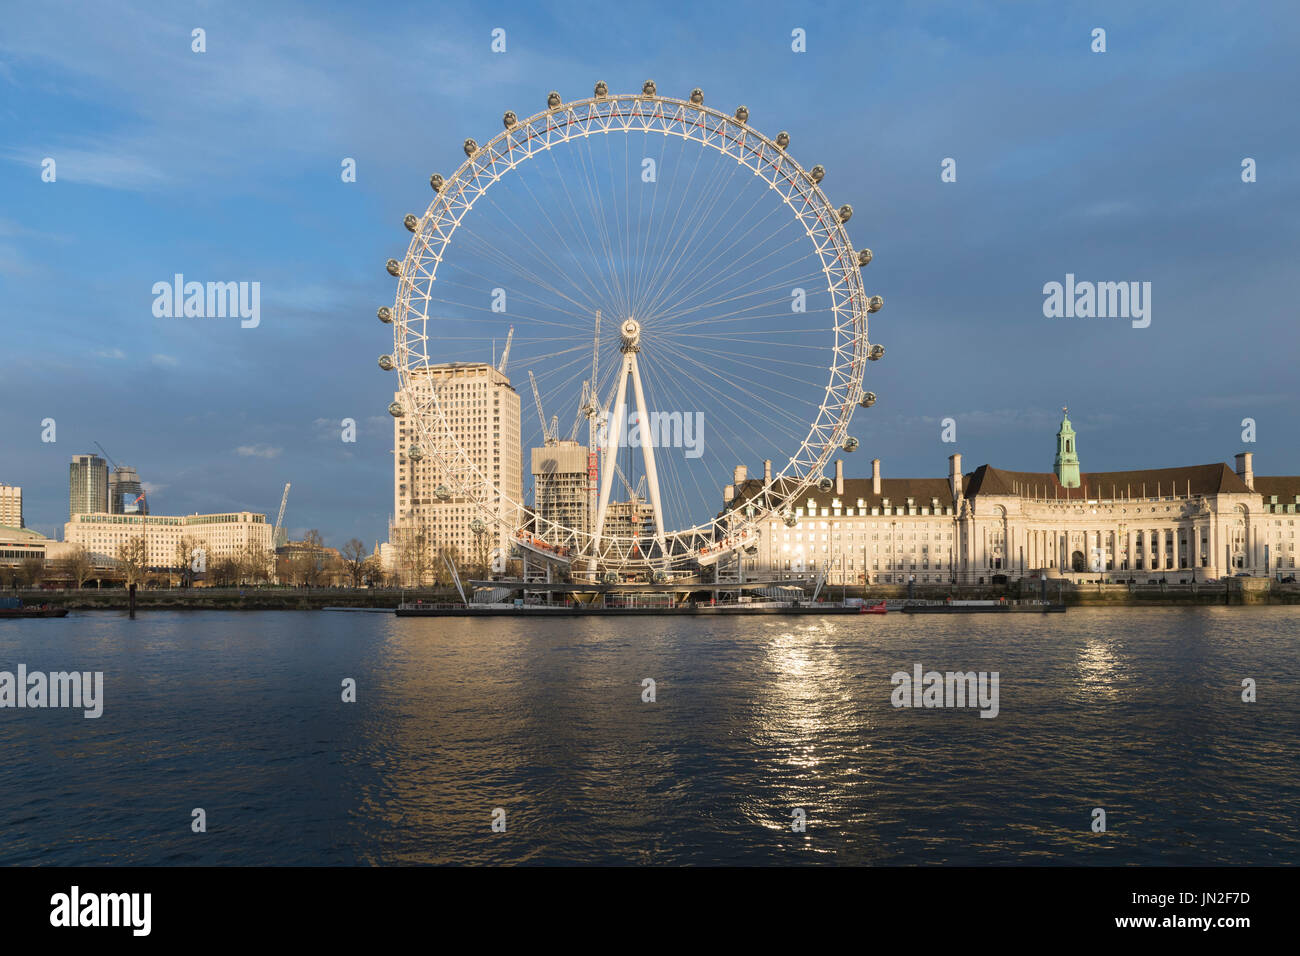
{"points": [[116, 467], [549, 434], [633, 494], [107, 455], [505, 353], [279, 519]]}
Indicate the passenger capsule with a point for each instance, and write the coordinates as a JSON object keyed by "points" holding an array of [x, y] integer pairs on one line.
{"points": [[553, 100], [471, 147], [697, 96], [790, 519], [742, 113], [386, 362], [610, 577], [510, 119], [442, 492], [864, 257], [602, 89], [817, 173], [660, 576], [825, 485], [846, 212], [395, 409], [394, 267], [436, 181], [875, 304], [648, 88], [783, 139], [867, 400], [850, 444], [477, 526], [410, 222], [877, 353], [415, 453], [385, 314]]}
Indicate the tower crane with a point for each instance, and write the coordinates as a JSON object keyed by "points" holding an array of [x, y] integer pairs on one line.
{"points": [[505, 352], [279, 519], [548, 433]]}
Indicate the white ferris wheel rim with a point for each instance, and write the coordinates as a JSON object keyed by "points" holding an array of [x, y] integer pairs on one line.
{"points": [[627, 113]]}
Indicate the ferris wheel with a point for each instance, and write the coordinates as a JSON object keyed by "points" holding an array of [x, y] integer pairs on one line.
{"points": [[667, 277]]}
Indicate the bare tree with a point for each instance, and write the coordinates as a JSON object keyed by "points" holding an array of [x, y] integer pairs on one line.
{"points": [[187, 550], [309, 563], [224, 571], [255, 563], [131, 560], [30, 572], [354, 560], [77, 565], [414, 557], [448, 555]]}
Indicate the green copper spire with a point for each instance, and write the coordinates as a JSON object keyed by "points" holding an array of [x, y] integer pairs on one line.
{"points": [[1067, 453]]}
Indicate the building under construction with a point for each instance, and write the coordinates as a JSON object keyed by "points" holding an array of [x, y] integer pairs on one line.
{"points": [[562, 476]]}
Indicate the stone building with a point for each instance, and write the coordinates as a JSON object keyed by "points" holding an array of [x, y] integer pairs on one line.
{"points": [[1197, 522]]}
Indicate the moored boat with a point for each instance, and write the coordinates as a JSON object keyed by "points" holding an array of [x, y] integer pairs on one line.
{"points": [[14, 607]]}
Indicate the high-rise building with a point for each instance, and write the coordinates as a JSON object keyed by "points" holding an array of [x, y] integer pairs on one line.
{"points": [[87, 486], [482, 413], [561, 482], [11, 506], [125, 493]]}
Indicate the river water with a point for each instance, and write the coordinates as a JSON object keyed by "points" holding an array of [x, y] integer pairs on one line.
{"points": [[1137, 711]]}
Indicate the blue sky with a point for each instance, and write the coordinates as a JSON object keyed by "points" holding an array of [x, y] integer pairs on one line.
{"points": [[1114, 166]]}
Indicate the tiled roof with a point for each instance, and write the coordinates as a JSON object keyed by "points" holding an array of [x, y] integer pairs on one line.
{"points": [[1212, 479], [1286, 487]]}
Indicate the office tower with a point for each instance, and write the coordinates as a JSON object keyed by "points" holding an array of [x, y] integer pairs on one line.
{"points": [[87, 485], [482, 413]]}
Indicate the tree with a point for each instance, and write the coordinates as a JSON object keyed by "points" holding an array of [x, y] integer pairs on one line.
{"points": [[448, 557], [187, 549], [255, 563], [354, 560], [309, 563], [131, 560], [413, 557], [77, 565], [30, 572], [225, 571]]}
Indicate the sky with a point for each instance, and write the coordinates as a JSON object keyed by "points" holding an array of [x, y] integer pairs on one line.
{"points": [[1115, 166]]}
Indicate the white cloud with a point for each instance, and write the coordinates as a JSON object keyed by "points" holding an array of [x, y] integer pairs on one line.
{"points": [[258, 451], [164, 361]]}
